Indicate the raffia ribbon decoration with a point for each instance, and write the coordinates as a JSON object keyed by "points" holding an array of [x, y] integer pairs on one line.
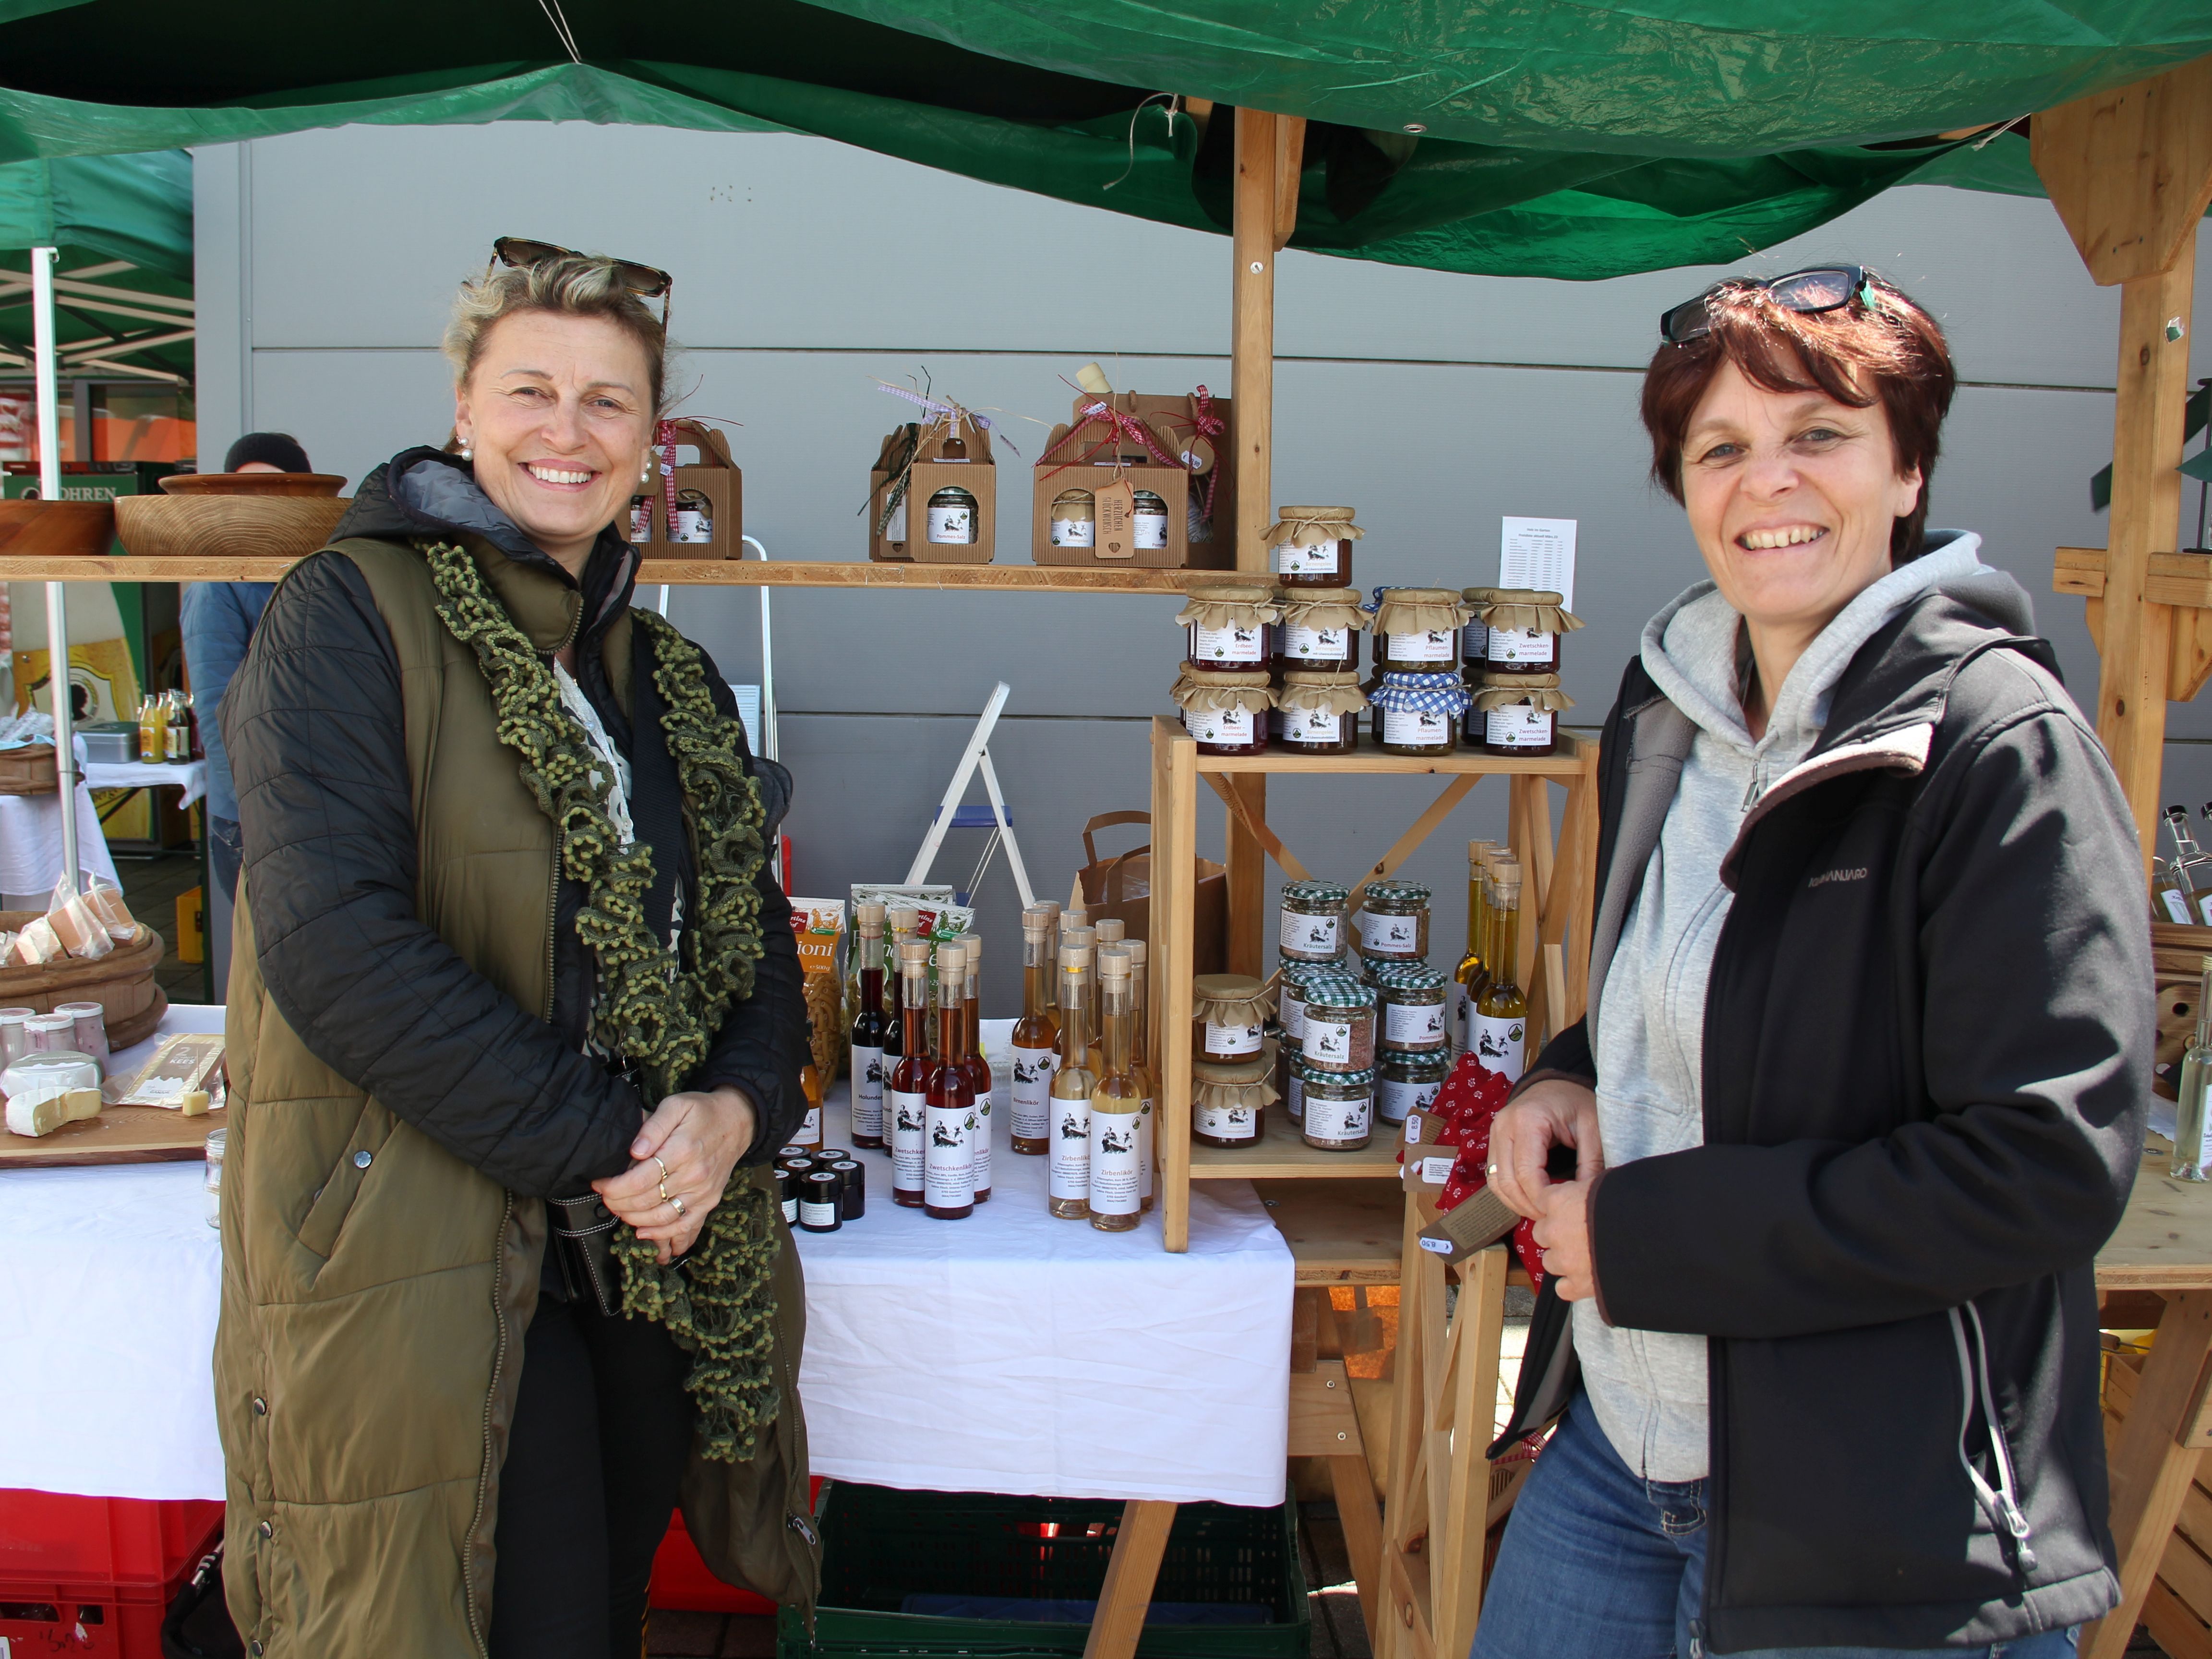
{"points": [[1217, 692], [1309, 527], [1336, 694], [1254, 1010], [1229, 607], [1323, 607], [1528, 609], [1418, 611], [1540, 691]]}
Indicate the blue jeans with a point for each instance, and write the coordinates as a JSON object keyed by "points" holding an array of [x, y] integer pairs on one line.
{"points": [[1598, 1563]]}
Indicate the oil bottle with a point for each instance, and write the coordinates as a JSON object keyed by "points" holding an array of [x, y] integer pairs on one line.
{"points": [[1073, 1086], [1116, 1105], [1037, 1039], [1501, 1016]]}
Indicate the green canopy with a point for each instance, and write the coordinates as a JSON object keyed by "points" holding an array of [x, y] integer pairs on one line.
{"points": [[124, 226], [1511, 137]]}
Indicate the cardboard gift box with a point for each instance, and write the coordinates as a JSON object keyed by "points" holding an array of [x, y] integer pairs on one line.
{"points": [[712, 489], [887, 518], [907, 486], [1093, 452]]}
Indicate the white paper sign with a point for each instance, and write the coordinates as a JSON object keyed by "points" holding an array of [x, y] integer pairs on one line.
{"points": [[1538, 553]]}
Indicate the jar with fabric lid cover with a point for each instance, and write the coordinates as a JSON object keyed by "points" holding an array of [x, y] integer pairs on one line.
{"points": [[1394, 921], [1411, 1019], [1311, 925], [1517, 715], [1524, 626], [1409, 1082], [1337, 1107], [1319, 630], [1228, 1102], [1228, 1016], [1318, 714], [1416, 629], [1291, 983], [1227, 629], [1339, 1024], [1073, 519], [1474, 638], [1418, 713], [1311, 546], [1227, 713]]}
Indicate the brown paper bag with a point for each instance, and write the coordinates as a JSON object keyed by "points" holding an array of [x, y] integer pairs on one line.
{"points": [[1122, 888]]}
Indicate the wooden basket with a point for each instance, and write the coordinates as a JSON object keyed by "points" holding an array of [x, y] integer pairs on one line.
{"points": [[29, 770], [216, 526], [122, 982]]}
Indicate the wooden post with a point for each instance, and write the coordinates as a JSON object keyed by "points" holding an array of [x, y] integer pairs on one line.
{"points": [[2130, 173], [1248, 877], [1268, 150]]}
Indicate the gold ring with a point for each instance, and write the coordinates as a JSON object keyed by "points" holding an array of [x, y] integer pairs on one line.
{"points": [[676, 1204], [663, 1180], [1493, 1172]]}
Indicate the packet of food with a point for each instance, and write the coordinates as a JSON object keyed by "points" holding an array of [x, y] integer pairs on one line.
{"points": [[106, 899], [82, 933], [38, 943], [184, 1061]]}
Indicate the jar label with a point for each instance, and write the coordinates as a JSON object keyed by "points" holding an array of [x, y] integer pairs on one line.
{"points": [[1339, 1120], [1071, 1148], [1238, 643], [1399, 1098], [949, 1171], [690, 525], [1114, 1186], [952, 523], [790, 1212], [1417, 728], [2176, 906], [1497, 1043], [868, 1092], [1294, 1096], [1517, 726], [1526, 647], [1292, 1013], [909, 1127], [1317, 560], [812, 1213], [1331, 644], [1312, 937], [980, 1142], [1074, 532], [1312, 725], [1227, 1122], [1232, 728], [1475, 641], [1416, 1025], [1383, 935], [1430, 644], [1328, 1040], [1034, 1070], [1232, 1039], [1151, 532], [640, 521]]}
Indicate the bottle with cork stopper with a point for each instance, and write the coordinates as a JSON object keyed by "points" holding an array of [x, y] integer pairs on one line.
{"points": [[949, 1158], [1141, 1042], [904, 922], [868, 1028], [907, 1104], [1037, 1039], [1084, 938], [1501, 1013], [977, 1062], [1116, 1105], [1073, 1086]]}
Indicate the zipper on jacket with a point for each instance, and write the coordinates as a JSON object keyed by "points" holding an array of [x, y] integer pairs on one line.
{"points": [[491, 1394], [553, 932], [2002, 1506]]}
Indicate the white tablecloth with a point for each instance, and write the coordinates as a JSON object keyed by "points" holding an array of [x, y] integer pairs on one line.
{"points": [[191, 776], [1012, 1352], [31, 843]]}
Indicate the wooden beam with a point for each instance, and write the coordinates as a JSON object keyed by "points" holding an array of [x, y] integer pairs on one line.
{"points": [[1290, 162], [1131, 1572], [1248, 876], [1252, 332], [2131, 170]]}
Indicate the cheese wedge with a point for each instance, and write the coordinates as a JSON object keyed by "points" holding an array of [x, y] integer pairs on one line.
{"points": [[193, 1102], [37, 1112], [78, 1104]]}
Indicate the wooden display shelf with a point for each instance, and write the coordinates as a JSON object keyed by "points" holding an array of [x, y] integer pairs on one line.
{"points": [[1282, 1154], [1339, 1232]]}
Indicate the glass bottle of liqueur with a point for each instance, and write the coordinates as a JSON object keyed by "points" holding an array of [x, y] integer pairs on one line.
{"points": [[977, 1062], [1037, 1039], [2189, 1120], [1051, 907], [869, 1028], [809, 1133], [1116, 1105], [1139, 1042], [904, 922], [948, 1175], [907, 1104], [1466, 980], [2192, 868], [1501, 1014], [1081, 937], [1073, 1085]]}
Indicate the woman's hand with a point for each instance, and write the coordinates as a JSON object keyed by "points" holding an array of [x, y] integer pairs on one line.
{"points": [[1552, 1113], [1563, 1235], [686, 1149]]}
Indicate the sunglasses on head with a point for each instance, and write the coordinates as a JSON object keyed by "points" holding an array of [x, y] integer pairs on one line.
{"points": [[646, 282], [1823, 287]]}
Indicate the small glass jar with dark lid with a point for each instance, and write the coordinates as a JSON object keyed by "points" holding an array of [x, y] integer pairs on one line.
{"points": [[1394, 921], [1226, 630], [1517, 715], [1338, 1025], [822, 1200], [1411, 1016], [1311, 546], [1337, 1111], [1319, 631], [1311, 927], [1318, 714], [1524, 626], [1228, 1016], [1227, 713], [1418, 713], [1416, 629], [1409, 1082], [1228, 1102]]}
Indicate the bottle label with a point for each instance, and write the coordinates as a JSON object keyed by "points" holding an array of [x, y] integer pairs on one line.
{"points": [[952, 523], [1151, 528], [1071, 1148], [1397, 1099], [908, 1132], [1145, 1122], [949, 1170], [1329, 644], [810, 1128], [1294, 1096], [1521, 647], [1115, 1188], [1232, 728], [1517, 726], [1389, 936], [1074, 532], [981, 1141], [1311, 937], [1240, 643], [1462, 1010], [1318, 559], [1227, 1122], [818, 1215], [1034, 1069], [1328, 1039], [1232, 1039], [2177, 907], [1339, 1120], [1475, 641], [1419, 1024], [1429, 645], [1497, 1043], [1311, 725], [1294, 1016], [868, 1092], [1415, 726]]}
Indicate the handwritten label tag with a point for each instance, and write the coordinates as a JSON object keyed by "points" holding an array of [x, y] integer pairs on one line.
{"points": [[1116, 507]]}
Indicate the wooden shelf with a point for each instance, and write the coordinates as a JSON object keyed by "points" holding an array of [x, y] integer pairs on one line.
{"points": [[2184, 579], [1339, 1232], [1282, 1154], [1368, 761]]}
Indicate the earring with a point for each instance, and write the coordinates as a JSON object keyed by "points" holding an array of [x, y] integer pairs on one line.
{"points": [[468, 453], [646, 476]]}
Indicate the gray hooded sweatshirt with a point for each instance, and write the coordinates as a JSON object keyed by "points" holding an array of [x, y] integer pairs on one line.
{"points": [[1648, 1388]]}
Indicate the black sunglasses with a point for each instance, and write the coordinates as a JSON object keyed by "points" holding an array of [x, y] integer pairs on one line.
{"points": [[646, 282], [1823, 287]]}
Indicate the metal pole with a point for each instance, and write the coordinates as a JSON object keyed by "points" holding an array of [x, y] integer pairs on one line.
{"points": [[50, 488]]}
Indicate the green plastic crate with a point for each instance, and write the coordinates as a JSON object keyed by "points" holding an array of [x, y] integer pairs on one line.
{"points": [[880, 1546]]}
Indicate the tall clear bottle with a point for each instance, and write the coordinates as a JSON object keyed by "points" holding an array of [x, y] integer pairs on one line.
{"points": [[2189, 1117], [869, 1027], [908, 1104], [1081, 937], [1036, 1038], [949, 1160], [1117, 1103], [1466, 981], [1051, 908], [1073, 1086], [1501, 1015], [978, 1063], [1148, 1118]]}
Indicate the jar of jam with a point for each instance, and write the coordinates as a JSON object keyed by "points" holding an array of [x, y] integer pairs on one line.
{"points": [[1339, 1107], [1525, 625], [1312, 925], [1409, 1082], [1394, 921], [1517, 715], [1411, 1016], [1293, 1089], [1474, 638], [1226, 713], [1227, 629], [1311, 546], [1148, 520], [1418, 713], [1338, 1025], [1318, 714], [1228, 1017], [1416, 629], [1228, 1104], [1073, 521], [951, 517], [1319, 630]]}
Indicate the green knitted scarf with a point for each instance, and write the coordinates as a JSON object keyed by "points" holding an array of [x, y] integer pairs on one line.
{"points": [[658, 1011]]}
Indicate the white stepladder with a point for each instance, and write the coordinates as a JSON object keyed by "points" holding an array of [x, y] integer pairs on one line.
{"points": [[951, 815]]}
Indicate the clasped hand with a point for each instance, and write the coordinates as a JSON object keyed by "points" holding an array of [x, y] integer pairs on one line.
{"points": [[697, 1138], [1552, 1113]]}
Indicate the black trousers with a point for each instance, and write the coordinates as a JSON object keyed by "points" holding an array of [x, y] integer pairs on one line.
{"points": [[602, 1433]]}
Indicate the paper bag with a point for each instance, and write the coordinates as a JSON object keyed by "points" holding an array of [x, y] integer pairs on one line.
{"points": [[1121, 888]]}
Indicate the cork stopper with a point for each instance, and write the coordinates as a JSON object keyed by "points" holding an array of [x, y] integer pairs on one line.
{"points": [[907, 917], [1111, 930], [870, 916], [1135, 947], [914, 956], [1505, 875], [1113, 962], [952, 959], [1081, 937], [1036, 921], [1075, 958], [972, 944]]}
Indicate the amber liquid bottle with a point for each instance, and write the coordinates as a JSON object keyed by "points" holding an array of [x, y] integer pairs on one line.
{"points": [[869, 1027], [1501, 1016], [978, 1064], [1466, 980], [1051, 907], [1073, 1085], [908, 1102], [1081, 937], [902, 922], [949, 1160], [1140, 1040], [1116, 1105], [1037, 1039]]}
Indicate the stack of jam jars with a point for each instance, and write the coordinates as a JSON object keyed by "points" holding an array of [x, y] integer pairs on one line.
{"points": [[1226, 689], [1232, 1069], [1418, 693], [1516, 714], [1317, 663], [1412, 1034], [1513, 668], [1310, 547]]}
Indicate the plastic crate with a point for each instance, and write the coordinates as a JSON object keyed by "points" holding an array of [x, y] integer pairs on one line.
{"points": [[880, 1546], [94, 1576]]}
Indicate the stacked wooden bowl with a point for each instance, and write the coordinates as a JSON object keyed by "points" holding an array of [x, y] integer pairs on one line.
{"points": [[33, 529], [217, 515]]}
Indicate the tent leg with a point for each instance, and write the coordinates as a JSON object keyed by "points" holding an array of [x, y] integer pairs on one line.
{"points": [[50, 488], [1269, 150]]}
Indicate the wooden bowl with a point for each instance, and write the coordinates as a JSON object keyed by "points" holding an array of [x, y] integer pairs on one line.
{"points": [[122, 982], [215, 526], [253, 484], [50, 528]]}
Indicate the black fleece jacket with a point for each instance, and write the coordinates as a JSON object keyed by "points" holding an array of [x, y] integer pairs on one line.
{"points": [[313, 721]]}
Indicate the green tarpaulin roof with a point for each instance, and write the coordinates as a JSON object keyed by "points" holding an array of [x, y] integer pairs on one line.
{"points": [[1514, 136], [124, 226]]}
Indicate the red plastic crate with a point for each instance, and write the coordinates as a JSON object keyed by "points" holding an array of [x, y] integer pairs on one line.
{"points": [[92, 1576], [96, 1629], [683, 1583]]}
